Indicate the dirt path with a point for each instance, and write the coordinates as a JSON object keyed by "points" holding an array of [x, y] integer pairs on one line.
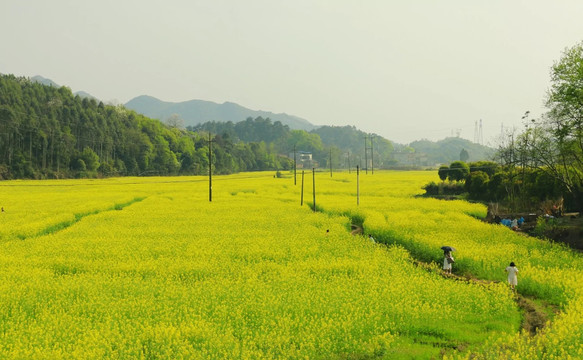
{"points": [[536, 312], [535, 315], [355, 230]]}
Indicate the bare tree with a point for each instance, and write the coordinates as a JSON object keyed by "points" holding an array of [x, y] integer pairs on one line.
{"points": [[175, 121]]}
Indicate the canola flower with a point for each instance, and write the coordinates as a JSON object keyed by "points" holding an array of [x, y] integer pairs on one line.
{"points": [[150, 269], [548, 271]]}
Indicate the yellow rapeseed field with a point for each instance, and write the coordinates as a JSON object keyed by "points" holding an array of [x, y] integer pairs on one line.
{"points": [[549, 272], [148, 268]]}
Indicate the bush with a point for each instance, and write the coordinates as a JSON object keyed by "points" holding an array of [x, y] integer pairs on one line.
{"points": [[443, 172], [547, 228], [79, 165], [489, 167], [458, 171], [431, 189], [106, 169], [452, 188], [477, 185], [444, 188]]}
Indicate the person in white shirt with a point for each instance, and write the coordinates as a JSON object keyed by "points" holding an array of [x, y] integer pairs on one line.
{"points": [[512, 276]]}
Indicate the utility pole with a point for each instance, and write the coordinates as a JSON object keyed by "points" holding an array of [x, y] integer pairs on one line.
{"points": [[294, 164], [314, 187], [348, 161], [210, 168], [330, 162], [371, 155], [357, 186], [302, 196], [366, 149], [365, 154]]}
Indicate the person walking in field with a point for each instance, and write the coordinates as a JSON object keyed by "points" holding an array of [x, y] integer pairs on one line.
{"points": [[447, 261], [512, 276]]}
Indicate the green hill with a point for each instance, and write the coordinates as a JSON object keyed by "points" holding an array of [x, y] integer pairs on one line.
{"points": [[46, 131], [195, 112], [447, 150]]}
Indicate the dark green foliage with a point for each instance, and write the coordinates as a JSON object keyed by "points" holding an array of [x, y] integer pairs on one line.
{"points": [[431, 189], [345, 143], [552, 145], [444, 188], [79, 165], [496, 187], [477, 185], [485, 182], [351, 142], [489, 167], [90, 158], [458, 171], [249, 130], [525, 188], [547, 228], [443, 172], [47, 132], [563, 130], [464, 156]]}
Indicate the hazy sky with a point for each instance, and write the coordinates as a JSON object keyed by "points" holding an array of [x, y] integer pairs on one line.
{"points": [[405, 70]]}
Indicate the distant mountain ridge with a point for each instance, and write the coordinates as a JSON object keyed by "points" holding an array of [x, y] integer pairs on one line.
{"points": [[42, 80], [195, 112]]}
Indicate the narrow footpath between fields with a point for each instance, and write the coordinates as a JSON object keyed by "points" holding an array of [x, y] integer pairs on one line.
{"points": [[536, 312]]}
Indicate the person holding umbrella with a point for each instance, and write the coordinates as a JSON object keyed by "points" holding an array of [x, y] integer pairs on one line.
{"points": [[447, 258]]}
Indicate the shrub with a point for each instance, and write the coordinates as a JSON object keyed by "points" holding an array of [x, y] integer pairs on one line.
{"points": [[477, 185], [444, 188], [547, 228], [489, 167], [458, 171], [443, 172], [431, 189]]}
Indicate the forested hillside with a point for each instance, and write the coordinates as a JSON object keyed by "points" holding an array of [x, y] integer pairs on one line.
{"points": [[343, 145], [48, 132], [352, 142]]}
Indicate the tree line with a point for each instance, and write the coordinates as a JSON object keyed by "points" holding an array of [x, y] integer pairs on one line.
{"points": [[489, 181], [343, 146], [543, 161], [48, 132]]}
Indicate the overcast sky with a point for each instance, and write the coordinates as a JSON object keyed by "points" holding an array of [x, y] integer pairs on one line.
{"points": [[405, 70]]}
